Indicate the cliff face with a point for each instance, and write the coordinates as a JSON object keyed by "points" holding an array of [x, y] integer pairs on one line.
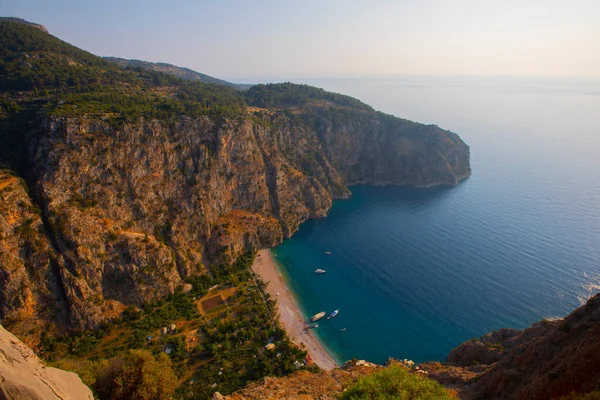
{"points": [[548, 360], [30, 293], [24, 377], [376, 148], [134, 210]]}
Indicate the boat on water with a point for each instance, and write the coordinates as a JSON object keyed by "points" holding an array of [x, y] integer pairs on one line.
{"points": [[343, 329], [328, 253], [333, 314], [318, 316], [320, 271], [312, 326]]}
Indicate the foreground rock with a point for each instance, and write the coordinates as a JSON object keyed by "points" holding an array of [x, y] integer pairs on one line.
{"points": [[24, 377], [548, 360]]}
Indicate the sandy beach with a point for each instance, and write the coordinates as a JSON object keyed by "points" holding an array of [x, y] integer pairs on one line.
{"points": [[289, 314]]}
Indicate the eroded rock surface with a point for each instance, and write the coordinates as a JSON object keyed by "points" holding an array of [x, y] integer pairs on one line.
{"points": [[129, 212], [24, 377]]}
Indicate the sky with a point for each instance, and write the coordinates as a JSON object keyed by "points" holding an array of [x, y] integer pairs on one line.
{"points": [[241, 40]]}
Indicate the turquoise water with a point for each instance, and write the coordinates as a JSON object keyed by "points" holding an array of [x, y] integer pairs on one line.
{"points": [[415, 272]]}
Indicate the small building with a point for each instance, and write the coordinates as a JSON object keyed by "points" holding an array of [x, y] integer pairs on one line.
{"points": [[164, 330], [172, 328]]}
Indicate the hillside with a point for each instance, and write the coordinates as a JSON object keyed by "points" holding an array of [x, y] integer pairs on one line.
{"points": [[180, 72], [22, 21]]}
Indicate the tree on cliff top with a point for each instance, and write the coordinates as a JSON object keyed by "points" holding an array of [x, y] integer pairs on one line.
{"points": [[396, 382]]}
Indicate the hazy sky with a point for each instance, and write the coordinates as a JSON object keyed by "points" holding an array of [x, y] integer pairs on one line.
{"points": [[305, 38]]}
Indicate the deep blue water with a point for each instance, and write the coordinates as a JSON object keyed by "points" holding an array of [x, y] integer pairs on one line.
{"points": [[415, 272]]}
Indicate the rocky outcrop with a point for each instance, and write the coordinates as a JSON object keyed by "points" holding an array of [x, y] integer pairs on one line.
{"points": [[304, 385], [548, 360], [24, 377], [30, 287]]}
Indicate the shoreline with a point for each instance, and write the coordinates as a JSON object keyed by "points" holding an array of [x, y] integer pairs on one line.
{"points": [[289, 313]]}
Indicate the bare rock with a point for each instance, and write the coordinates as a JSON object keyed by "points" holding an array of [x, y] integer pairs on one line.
{"points": [[24, 377], [129, 212]]}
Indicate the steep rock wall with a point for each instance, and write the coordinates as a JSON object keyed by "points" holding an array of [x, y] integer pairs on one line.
{"points": [[24, 377], [133, 209]]}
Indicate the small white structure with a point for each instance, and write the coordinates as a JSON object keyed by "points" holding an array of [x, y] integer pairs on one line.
{"points": [[164, 330], [270, 346], [172, 328]]}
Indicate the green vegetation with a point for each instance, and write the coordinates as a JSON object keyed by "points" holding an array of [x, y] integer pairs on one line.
{"points": [[285, 95], [136, 375], [181, 72], [497, 346], [220, 351], [394, 383], [595, 395]]}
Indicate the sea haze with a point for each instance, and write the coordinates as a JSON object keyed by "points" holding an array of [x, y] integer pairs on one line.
{"points": [[415, 272]]}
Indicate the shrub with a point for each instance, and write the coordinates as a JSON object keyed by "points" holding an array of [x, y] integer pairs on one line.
{"points": [[595, 395], [497, 346], [396, 382], [137, 375]]}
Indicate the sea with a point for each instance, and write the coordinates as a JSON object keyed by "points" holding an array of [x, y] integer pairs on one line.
{"points": [[415, 272]]}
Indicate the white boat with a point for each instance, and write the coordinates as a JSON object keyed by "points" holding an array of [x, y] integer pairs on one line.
{"points": [[320, 271], [318, 316], [343, 329], [333, 314], [328, 253], [312, 326]]}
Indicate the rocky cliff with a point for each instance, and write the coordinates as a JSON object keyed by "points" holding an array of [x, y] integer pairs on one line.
{"points": [[24, 377], [30, 288], [546, 361], [132, 182]]}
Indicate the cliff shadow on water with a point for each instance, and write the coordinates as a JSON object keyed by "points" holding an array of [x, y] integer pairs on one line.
{"points": [[407, 196]]}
